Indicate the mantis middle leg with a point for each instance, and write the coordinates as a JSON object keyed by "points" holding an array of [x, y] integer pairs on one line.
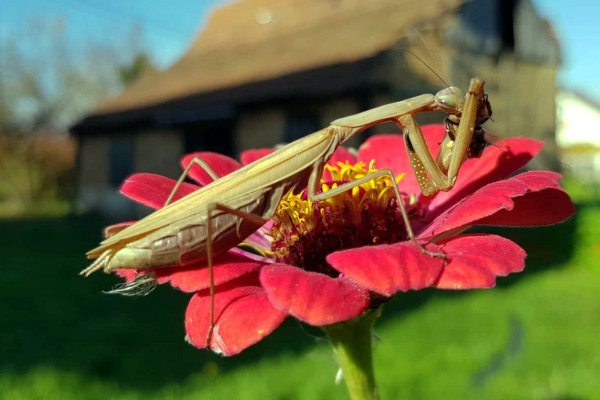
{"points": [[195, 161], [316, 197]]}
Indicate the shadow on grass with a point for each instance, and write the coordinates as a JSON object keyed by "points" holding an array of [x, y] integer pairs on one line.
{"points": [[53, 317]]}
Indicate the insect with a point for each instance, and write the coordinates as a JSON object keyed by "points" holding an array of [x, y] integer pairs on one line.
{"points": [[222, 214]]}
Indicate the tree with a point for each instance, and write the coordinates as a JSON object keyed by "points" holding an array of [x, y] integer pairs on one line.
{"points": [[140, 65], [47, 82]]}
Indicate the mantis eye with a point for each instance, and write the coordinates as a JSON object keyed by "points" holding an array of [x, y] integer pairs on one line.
{"points": [[449, 99]]}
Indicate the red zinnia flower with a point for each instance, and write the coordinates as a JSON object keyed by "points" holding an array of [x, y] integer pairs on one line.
{"points": [[329, 262]]}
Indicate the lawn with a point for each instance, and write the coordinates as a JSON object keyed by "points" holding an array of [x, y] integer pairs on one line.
{"points": [[533, 337]]}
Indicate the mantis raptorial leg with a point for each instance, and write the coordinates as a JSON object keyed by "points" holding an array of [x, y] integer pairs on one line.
{"points": [[421, 158]]}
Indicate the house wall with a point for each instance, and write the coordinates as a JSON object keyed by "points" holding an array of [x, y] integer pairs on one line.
{"points": [[94, 164], [95, 192], [100, 177], [517, 54], [521, 93], [577, 138], [159, 152], [576, 119], [260, 129], [522, 96], [527, 106]]}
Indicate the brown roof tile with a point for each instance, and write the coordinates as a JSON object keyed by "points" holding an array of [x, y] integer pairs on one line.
{"points": [[255, 40]]}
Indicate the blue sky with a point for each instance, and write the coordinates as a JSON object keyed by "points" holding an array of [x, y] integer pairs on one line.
{"points": [[170, 29]]}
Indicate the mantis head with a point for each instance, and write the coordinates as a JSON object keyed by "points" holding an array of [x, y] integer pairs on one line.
{"points": [[450, 99]]}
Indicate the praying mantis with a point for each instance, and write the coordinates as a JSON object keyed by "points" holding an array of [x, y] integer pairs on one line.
{"points": [[222, 214]]}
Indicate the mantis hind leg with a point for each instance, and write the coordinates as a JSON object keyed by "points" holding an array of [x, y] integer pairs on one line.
{"points": [[213, 207], [315, 197]]}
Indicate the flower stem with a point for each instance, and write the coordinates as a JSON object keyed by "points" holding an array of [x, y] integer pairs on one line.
{"points": [[352, 346]]}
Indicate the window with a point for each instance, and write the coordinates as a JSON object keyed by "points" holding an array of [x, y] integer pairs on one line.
{"points": [[299, 126], [122, 153]]}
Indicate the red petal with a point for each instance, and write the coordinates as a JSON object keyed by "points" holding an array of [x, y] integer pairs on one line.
{"points": [[389, 151], [387, 269], [312, 297], [128, 274], [243, 316], [341, 155], [221, 164], [115, 228], [545, 204], [154, 190], [476, 260], [226, 267], [259, 239], [483, 203], [249, 156], [481, 207], [495, 164]]}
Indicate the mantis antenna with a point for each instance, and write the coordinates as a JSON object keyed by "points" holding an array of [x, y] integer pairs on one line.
{"points": [[428, 67], [432, 56]]}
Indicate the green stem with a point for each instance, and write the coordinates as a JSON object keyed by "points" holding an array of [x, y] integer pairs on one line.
{"points": [[352, 345]]}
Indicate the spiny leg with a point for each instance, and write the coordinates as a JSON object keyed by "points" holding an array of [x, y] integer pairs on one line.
{"points": [[421, 159], [212, 207], [316, 197], [195, 161]]}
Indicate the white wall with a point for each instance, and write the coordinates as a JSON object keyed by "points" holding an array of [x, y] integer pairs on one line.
{"points": [[578, 121]]}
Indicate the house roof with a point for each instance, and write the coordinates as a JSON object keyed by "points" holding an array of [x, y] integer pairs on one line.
{"points": [[257, 40]]}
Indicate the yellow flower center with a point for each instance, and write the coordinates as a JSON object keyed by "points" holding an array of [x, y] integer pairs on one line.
{"points": [[304, 233]]}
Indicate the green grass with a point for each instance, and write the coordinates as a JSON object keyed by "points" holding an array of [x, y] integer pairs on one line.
{"points": [[579, 191], [42, 209], [533, 337]]}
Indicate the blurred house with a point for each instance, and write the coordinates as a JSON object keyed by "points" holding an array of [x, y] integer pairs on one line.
{"points": [[578, 119], [267, 72]]}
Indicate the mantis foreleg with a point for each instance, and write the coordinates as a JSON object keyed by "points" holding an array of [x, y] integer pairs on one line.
{"points": [[421, 159]]}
